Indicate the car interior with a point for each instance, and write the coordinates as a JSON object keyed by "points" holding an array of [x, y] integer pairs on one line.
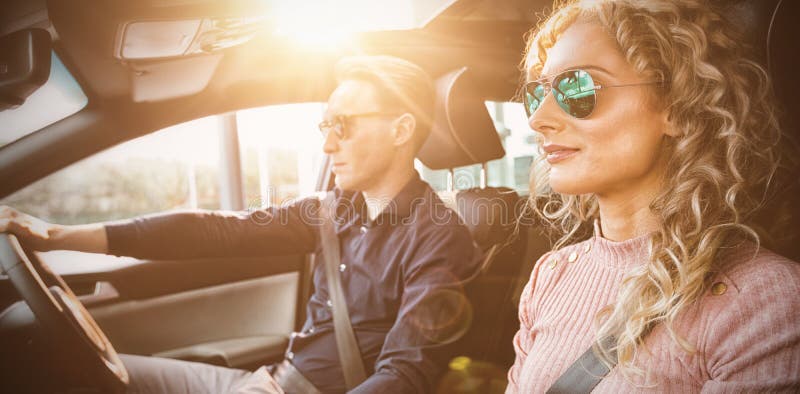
{"points": [[140, 67]]}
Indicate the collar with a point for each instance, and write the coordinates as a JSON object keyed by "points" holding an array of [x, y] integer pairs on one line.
{"points": [[351, 207]]}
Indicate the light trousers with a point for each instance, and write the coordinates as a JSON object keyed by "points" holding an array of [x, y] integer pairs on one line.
{"points": [[154, 375]]}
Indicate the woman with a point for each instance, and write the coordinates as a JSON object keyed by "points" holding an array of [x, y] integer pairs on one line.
{"points": [[657, 130]]}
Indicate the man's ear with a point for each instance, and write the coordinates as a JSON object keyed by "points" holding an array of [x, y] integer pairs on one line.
{"points": [[404, 128]]}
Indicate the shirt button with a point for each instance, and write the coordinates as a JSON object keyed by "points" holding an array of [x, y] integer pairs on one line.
{"points": [[363, 229], [588, 247], [553, 263], [342, 267], [330, 303], [572, 257], [719, 288]]}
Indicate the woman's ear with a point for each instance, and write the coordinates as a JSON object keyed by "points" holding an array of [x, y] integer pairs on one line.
{"points": [[404, 128], [669, 126]]}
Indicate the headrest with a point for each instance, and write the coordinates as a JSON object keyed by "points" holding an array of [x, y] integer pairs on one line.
{"points": [[752, 18], [783, 59], [771, 27], [490, 214], [463, 132]]}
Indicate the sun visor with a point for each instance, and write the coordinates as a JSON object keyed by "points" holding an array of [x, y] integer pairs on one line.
{"points": [[171, 78]]}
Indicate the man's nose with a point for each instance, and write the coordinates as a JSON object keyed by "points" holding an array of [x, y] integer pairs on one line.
{"points": [[548, 118], [330, 143]]}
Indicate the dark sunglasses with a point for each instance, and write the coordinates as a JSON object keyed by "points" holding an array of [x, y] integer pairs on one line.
{"points": [[338, 124], [574, 91]]}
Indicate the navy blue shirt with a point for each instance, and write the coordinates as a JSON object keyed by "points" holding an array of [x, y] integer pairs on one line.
{"points": [[402, 275]]}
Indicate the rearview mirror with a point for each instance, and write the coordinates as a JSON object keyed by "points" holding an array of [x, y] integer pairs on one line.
{"points": [[24, 65]]}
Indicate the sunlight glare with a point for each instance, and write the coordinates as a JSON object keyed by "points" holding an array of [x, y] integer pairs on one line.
{"points": [[326, 24], [317, 40]]}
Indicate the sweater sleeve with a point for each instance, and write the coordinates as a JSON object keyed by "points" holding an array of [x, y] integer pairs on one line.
{"points": [[203, 234], [752, 342], [523, 339]]}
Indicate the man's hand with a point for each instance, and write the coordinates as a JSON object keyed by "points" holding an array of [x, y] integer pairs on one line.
{"points": [[43, 236], [30, 230]]}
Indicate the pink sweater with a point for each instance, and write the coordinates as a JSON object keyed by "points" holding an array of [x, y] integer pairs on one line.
{"points": [[746, 329]]}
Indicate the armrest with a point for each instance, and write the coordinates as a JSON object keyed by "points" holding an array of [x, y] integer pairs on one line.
{"points": [[243, 353]]}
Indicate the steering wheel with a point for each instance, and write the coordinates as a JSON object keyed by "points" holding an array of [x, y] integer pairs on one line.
{"points": [[65, 320]]}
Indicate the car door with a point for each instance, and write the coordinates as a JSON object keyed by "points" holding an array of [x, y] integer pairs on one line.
{"points": [[236, 312]]}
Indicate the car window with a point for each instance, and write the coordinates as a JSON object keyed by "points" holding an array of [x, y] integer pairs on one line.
{"points": [[179, 167], [58, 98], [281, 152], [512, 170]]}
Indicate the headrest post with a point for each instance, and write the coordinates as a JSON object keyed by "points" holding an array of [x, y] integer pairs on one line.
{"points": [[484, 171], [450, 180]]}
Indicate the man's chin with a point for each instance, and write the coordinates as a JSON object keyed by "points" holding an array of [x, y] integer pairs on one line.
{"points": [[344, 183]]}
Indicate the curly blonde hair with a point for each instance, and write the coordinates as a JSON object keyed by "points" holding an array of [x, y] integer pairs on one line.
{"points": [[720, 165]]}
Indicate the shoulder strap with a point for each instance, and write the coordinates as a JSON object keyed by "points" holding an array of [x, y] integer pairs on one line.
{"points": [[349, 353], [582, 376]]}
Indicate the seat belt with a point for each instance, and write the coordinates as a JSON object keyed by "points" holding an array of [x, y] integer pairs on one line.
{"points": [[349, 353], [584, 374]]}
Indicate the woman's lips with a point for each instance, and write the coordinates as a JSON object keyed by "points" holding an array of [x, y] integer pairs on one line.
{"points": [[560, 155], [556, 153]]}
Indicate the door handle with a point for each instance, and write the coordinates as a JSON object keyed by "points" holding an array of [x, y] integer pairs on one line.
{"points": [[103, 292]]}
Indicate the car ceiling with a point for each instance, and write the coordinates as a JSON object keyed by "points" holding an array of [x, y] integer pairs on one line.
{"points": [[484, 35]]}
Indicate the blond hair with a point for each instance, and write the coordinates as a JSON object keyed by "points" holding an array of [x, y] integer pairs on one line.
{"points": [[720, 166]]}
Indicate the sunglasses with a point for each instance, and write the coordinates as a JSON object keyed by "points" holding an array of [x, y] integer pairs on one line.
{"points": [[574, 90], [338, 124]]}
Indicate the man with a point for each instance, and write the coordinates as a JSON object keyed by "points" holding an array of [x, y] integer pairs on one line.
{"points": [[404, 256]]}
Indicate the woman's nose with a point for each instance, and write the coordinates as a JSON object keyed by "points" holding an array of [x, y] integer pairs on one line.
{"points": [[548, 118]]}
